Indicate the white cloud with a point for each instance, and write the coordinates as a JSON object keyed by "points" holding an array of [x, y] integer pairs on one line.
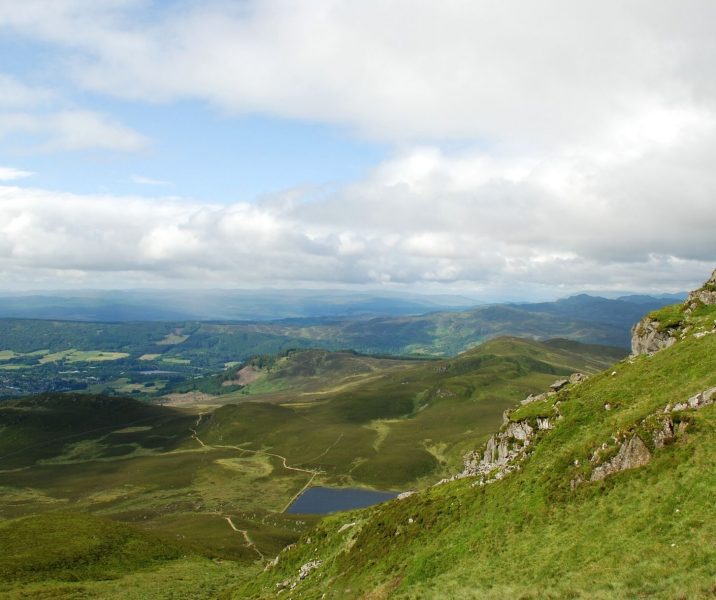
{"points": [[82, 129], [498, 226], [10, 173], [16, 94], [586, 132], [536, 73], [72, 130]]}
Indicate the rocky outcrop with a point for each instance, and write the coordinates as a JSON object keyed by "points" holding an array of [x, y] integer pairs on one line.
{"points": [[537, 398], [303, 572], [502, 454], [558, 385], [544, 423], [632, 453], [705, 398], [660, 427], [576, 378], [647, 336], [667, 434], [706, 294]]}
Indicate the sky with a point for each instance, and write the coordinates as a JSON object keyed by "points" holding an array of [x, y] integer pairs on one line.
{"points": [[501, 150]]}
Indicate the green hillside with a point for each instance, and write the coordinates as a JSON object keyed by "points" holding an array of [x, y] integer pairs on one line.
{"points": [[70, 556], [215, 483], [398, 428], [556, 526], [45, 426]]}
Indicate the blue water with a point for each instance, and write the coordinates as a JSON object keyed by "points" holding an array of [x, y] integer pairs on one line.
{"points": [[321, 500]]}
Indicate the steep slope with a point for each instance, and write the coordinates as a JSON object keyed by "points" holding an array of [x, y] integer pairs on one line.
{"points": [[604, 490]]}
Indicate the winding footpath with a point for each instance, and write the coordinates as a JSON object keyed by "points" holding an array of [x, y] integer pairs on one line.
{"points": [[313, 473], [249, 541]]}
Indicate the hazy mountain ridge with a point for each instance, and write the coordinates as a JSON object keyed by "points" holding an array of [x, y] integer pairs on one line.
{"points": [[212, 305], [246, 305]]}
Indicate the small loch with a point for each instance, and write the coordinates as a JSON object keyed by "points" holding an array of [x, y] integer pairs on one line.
{"points": [[322, 500]]}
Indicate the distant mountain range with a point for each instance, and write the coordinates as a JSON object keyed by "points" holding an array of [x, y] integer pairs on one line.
{"points": [[222, 305], [268, 305]]}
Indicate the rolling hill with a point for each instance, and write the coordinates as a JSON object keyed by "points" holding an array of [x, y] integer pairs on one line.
{"points": [[213, 483]]}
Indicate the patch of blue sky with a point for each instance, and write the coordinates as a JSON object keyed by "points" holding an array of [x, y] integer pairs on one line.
{"points": [[201, 153]]}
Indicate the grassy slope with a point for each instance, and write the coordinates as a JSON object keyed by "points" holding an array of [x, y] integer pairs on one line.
{"points": [[402, 427], [43, 426], [80, 556], [647, 532], [138, 463]]}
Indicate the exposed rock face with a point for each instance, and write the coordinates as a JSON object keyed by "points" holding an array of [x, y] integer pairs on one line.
{"points": [[303, 572], [502, 452], [520, 430], [646, 337], [537, 398], [706, 294], [574, 379], [665, 435], [632, 453], [308, 567], [544, 423]]}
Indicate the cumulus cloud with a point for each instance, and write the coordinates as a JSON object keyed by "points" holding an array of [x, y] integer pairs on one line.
{"points": [[502, 226], [509, 72], [540, 145]]}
